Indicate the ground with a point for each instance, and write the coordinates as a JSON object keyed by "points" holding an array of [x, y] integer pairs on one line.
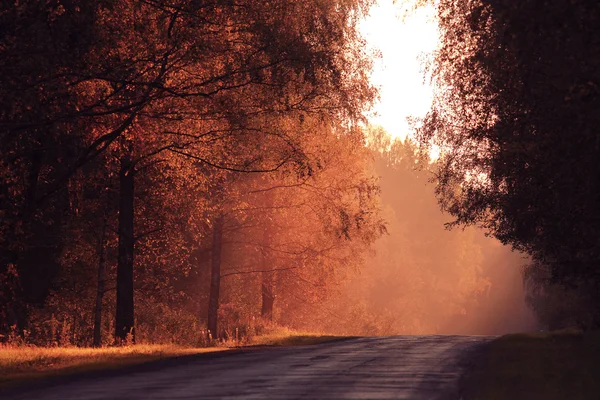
{"points": [[548, 366]]}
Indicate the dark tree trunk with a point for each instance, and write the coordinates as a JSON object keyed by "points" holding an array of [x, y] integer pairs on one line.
{"points": [[124, 323], [10, 295], [13, 308], [215, 276], [267, 296], [267, 285], [100, 292], [31, 193]]}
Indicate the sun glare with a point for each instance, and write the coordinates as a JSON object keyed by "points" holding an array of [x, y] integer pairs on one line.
{"points": [[402, 43]]}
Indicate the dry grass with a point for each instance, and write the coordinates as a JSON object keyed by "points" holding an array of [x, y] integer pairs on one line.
{"points": [[22, 364], [287, 337], [25, 363], [558, 365]]}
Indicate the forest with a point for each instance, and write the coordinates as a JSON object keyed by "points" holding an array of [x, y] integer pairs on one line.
{"points": [[185, 171]]}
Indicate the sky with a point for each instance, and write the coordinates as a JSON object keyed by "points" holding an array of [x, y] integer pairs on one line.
{"points": [[398, 72]]}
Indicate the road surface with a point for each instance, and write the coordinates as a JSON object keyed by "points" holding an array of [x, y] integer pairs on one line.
{"points": [[399, 367]]}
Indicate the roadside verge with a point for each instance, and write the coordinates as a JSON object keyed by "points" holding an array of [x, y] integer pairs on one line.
{"points": [[556, 365], [29, 365]]}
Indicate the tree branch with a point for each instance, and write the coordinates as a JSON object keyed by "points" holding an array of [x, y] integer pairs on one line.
{"points": [[256, 271], [227, 168]]}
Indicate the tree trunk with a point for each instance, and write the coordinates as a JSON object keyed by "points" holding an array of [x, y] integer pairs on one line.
{"points": [[13, 310], [124, 322], [267, 285], [215, 277], [267, 296], [100, 292]]}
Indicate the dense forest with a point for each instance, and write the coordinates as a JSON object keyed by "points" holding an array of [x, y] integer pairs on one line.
{"points": [[151, 149], [182, 171]]}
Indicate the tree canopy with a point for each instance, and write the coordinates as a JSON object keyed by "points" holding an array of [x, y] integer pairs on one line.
{"points": [[124, 123], [515, 116]]}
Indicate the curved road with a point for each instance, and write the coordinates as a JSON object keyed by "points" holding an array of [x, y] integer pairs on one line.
{"points": [[399, 367]]}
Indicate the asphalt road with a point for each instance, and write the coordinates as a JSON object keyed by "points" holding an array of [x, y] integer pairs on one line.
{"points": [[399, 367]]}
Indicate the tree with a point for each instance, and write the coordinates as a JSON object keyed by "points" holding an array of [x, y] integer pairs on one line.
{"points": [[32, 149], [515, 119], [420, 278], [282, 230], [194, 79], [235, 96], [315, 229]]}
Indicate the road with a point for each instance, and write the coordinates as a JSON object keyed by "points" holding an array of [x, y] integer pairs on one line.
{"points": [[399, 367]]}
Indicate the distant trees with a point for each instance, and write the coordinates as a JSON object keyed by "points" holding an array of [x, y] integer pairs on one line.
{"points": [[515, 117], [421, 278], [111, 111], [280, 232], [418, 278]]}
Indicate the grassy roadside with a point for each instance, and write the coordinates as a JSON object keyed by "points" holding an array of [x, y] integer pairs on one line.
{"points": [[23, 364], [296, 340], [19, 365], [558, 365], [287, 337]]}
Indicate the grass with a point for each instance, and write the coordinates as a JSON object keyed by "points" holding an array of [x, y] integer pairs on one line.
{"points": [[23, 364], [548, 366], [286, 337]]}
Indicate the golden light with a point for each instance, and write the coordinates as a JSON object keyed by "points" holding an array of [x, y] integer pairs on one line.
{"points": [[403, 40]]}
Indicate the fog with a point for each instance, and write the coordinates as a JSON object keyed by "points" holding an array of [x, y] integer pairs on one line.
{"points": [[423, 278]]}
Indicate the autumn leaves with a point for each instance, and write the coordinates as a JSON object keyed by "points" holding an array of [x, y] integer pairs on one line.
{"points": [[131, 128]]}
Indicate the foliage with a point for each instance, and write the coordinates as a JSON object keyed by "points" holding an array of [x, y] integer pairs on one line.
{"points": [[126, 127], [420, 278], [515, 117]]}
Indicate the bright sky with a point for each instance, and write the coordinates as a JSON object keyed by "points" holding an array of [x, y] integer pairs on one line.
{"points": [[398, 73]]}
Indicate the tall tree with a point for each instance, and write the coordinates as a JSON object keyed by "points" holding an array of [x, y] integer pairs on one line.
{"points": [[515, 119]]}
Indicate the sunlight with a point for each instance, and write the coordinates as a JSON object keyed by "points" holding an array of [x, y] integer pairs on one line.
{"points": [[398, 73]]}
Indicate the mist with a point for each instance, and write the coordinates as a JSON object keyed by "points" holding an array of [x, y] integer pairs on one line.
{"points": [[422, 278]]}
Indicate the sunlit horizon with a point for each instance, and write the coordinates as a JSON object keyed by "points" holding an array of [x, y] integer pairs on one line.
{"points": [[398, 72]]}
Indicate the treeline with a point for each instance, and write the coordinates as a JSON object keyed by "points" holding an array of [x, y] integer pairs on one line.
{"points": [[516, 117], [168, 167]]}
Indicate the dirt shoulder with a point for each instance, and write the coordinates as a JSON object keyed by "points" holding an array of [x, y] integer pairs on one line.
{"points": [[558, 365]]}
